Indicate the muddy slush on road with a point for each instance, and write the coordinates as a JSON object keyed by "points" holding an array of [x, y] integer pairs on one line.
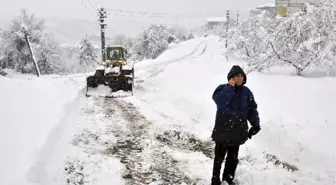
{"points": [[143, 149]]}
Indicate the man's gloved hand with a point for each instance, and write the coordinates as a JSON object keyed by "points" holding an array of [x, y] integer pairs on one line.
{"points": [[253, 131]]}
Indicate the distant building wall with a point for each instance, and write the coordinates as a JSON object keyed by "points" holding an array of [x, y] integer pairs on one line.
{"points": [[288, 7], [211, 22]]}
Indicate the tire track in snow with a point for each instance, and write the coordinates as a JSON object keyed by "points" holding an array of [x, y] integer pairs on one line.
{"points": [[138, 143], [178, 140], [145, 158], [159, 67]]}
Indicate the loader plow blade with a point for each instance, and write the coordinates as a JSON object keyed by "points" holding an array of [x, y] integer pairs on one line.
{"points": [[105, 92]]}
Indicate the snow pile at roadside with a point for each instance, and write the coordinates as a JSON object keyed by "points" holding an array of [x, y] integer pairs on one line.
{"points": [[179, 52], [30, 109], [298, 121]]}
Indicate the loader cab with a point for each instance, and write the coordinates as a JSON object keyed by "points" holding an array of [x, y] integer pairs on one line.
{"points": [[116, 53]]}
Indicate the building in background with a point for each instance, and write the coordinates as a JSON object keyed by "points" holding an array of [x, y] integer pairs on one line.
{"points": [[288, 7], [216, 21], [269, 8]]}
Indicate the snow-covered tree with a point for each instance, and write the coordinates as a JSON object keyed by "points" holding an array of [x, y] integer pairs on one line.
{"points": [[307, 38], [29, 29], [250, 39], [191, 36], [123, 40], [119, 39], [178, 33], [152, 42], [49, 55], [2, 73], [219, 30], [87, 56], [25, 46]]}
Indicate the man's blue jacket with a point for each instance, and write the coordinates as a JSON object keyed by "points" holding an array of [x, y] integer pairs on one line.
{"points": [[235, 106]]}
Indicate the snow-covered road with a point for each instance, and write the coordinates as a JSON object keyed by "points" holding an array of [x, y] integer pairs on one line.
{"points": [[161, 135], [142, 146]]}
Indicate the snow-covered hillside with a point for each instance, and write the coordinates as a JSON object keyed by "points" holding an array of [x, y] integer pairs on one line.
{"points": [[53, 134]]}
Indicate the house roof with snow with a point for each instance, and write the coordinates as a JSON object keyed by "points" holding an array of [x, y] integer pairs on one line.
{"points": [[216, 19], [268, 5]]}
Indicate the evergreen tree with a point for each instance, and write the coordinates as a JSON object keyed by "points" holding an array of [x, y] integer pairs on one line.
{"points": [[87, 55]]}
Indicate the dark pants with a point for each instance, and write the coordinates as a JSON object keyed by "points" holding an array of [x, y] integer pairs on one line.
{"points": [[231, 161]]}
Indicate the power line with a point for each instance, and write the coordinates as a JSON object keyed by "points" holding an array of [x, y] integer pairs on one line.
{"points": [[86, 6], [120, 12], [96, 2], [94, 6], [130, 13], [95, 16]]}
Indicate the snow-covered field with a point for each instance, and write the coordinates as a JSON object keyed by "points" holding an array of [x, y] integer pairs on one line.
{"points": [[51, 133]]}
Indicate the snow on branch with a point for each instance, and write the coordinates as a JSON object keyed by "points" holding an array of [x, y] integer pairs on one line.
{"points": [[302, 40]]}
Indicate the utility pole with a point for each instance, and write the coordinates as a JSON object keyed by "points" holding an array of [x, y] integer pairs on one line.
{"points": [[227, 27], [102, 16], [227, 32], [237, 17]]}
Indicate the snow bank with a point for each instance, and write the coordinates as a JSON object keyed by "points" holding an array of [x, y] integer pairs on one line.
{"points": [[30, 109], [173, 53], [298, 119]]}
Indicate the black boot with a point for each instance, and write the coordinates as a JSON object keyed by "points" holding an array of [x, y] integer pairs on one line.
{"points": [[229, 179], [217, 165], [220, 152], [215, 181]]}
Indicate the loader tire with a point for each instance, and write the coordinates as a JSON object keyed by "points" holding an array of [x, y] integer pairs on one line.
{"points": [[130, 86], [113, 85], [92, 81]]}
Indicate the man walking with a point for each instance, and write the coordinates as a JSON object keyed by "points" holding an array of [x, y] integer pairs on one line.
{"points": [[235, 106]]}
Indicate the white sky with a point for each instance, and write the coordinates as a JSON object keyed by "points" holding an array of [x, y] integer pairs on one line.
{"points": [[61, 15], [75, 8]]}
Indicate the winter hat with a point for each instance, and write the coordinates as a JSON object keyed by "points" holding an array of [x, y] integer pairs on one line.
{"points": [[235, 70]]}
